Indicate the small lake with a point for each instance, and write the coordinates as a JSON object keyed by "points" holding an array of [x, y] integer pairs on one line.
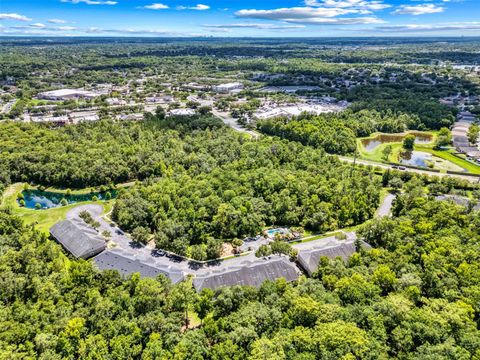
{"points": [[49, 199], [415, 158], [371, 144]]}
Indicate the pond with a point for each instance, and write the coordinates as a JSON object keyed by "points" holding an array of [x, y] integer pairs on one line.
{"points": [[415, 158], [372, 143], [50, 199]]}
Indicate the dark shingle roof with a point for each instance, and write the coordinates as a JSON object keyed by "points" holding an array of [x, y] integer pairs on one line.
{"points": [[77, 238], [310, 258], [249, 273], [126, 265]]}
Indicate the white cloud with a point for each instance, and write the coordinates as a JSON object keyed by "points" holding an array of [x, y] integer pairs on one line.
{"points": [[37, 25], [66, 28], [253, 26], [373, 5], [311, 15], [156, 6], [199, 7], [418, 9], [466, 26], [293, 13], [12, 16], [56, 21], [91, 2]]}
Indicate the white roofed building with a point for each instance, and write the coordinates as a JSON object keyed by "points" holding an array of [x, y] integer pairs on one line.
{"points": [[67, 94], [229, 87]]}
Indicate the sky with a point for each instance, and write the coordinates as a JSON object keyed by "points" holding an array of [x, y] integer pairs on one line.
{"points": [[245, 18]]}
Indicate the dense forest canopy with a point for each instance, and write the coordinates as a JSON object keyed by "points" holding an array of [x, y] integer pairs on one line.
{"points": [[102, 153], [200, 185], [415, 296], [195, 185]]}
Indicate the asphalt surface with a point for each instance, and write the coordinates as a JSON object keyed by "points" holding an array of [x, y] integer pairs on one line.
{"points": [[122, 244], [386, 206]]}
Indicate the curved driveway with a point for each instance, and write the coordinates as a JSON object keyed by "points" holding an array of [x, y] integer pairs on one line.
{"points": [[121, 244]]}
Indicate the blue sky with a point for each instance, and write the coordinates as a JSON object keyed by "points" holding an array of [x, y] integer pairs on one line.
{"points": [[222, 18]]}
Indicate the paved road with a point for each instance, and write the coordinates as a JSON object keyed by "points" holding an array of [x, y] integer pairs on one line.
{"points": [[386, 206], [471, 178], [122, 244], [228, 120]]}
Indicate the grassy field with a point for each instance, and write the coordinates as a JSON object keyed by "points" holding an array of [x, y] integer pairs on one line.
{"points": [[377, 153], [450, 161], [44, 219], [450, 156]]}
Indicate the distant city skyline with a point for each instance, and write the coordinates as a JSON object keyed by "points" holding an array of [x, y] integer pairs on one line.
{"points": [[228, 18]]}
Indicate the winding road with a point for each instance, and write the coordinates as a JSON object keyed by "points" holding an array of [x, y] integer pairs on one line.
{"points": [[121, 244]]}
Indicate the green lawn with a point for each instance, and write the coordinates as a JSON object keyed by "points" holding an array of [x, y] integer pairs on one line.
{"points": [[450, 156], [377, 153], [318, 237], [43, 218], [452, 161]]}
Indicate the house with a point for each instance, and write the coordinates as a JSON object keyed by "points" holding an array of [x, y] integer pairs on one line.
{"points": [[331, 248], [126, 264], [78, 238], [67, 94], [229, 87], [252, 273]]}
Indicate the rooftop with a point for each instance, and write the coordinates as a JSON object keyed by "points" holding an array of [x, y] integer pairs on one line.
{"points": [[127, 264], [77, 238], [331, 248], [252, 273]]}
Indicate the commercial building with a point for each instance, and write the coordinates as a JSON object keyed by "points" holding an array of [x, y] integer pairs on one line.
{"points": [[290, 111], [67, 94], [229, 87], [181, 112]]}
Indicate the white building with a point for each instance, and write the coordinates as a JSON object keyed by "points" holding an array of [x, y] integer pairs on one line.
{"points": [[290, 111], [181, 112], [229, 87], [83, 116], [67, 94], [115, 101]]}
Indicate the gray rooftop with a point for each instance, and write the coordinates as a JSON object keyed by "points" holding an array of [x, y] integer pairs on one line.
{"points": [[126, 264], [77, 238], [459, 200], [252, 273], [309, 258]]}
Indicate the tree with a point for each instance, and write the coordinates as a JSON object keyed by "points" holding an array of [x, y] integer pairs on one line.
{"points": [[160, 113], [409, 142], [396, 183], [444, 138], [140, 235], [386, 152], [182, 297], [473, 133], [204, 305]]}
